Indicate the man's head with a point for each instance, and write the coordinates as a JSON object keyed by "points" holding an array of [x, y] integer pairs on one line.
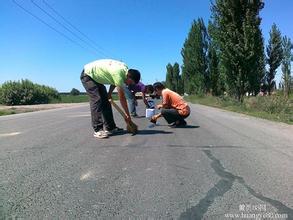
{"points": [[149, 89], [158, 87], [133, 76]]}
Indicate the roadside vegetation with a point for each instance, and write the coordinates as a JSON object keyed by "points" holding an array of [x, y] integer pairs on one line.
{"points": [[12, 111], [25, 92], [274, 107], [21, 96], [69, 98]]}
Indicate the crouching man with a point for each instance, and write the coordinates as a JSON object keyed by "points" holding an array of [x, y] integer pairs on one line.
{"points": [[173, 108]]}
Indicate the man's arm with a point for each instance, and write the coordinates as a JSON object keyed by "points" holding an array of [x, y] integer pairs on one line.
{"points": [[111, 89], [123, 102], [144, 99]]}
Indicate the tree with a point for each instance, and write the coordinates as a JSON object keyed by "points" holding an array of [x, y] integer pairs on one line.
{"points": [[286, 64], [74, 92], [274, 56], [170, 77], [176, 76], [240, 43], [173, 78], [194, 53], [214, 70]]}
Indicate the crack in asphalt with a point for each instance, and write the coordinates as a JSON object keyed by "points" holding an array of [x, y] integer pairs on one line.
{"points": [[223, 186]]}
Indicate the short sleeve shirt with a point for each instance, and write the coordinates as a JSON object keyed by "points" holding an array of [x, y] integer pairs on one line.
{"points": [[139, 87], [107, 71], [172, 99]]}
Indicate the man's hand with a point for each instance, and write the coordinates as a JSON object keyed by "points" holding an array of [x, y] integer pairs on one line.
{"points": [[155, 118], [159, 106], [127, 119]]}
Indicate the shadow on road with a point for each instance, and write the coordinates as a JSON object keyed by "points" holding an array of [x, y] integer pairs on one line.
{"points": [[150, 132], [159, 125], [141, 116], [189, 126], [205, 147]]}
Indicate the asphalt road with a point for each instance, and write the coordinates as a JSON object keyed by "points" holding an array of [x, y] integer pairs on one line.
{"points": [[222, 166]]}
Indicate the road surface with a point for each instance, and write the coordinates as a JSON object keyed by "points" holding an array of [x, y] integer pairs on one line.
{"points": [[222, 166]]}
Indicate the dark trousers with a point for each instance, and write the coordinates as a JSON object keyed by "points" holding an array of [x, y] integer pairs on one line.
{"points": [[172, 115], [101, 109]]}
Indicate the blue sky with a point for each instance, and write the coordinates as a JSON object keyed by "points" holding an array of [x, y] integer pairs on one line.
{"points": [[145, 34]]}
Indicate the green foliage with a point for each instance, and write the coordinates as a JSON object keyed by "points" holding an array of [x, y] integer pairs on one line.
{"points": [[194, 52], [213, 65], [271, 104], [274, 56], [286, 64], [25, 92], [169, 77], [238, 36], [173, 78], [70, 99], [274, 107], [74, 91]]}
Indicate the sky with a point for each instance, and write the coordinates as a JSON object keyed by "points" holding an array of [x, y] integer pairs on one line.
{"points": [[145, 34]]}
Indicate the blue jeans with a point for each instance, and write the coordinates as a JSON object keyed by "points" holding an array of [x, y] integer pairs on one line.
{"points": [[131, 100]]}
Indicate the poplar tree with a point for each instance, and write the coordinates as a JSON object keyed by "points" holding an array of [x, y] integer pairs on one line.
{"points": [[274, 56], [286, 64], [169, 77], [194, 53], [176, 76], [240, 43]]}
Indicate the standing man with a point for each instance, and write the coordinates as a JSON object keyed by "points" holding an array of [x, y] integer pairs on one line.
{"points": [[94, 77], [173, 108], [130, 95]]}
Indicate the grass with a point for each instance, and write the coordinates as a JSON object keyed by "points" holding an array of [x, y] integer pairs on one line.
{"points": [[70, 99], [75, 98], [7, 112], [274, 108], [12, 111], [64, 98]]}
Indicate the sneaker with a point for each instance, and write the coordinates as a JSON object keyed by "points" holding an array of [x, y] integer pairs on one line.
{"points": [[182, 123], [173, 125], [179, 124], [114, 131], [134, 115], [101, 134]]}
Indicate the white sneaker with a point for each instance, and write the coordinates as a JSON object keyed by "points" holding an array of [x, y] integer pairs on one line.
{"points": [[101, 134], [114, 131]]}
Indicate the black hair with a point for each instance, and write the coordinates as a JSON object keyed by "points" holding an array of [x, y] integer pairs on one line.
{"points": [[158, 86], [134, 75], [149, 89]]}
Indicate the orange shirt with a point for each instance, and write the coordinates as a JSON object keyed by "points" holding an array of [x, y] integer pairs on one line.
{"points": [[172, 99]]}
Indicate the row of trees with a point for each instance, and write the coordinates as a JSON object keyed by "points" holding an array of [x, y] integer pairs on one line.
{"points": [[228, 55]]}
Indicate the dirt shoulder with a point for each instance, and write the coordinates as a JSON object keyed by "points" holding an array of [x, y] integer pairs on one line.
{"points": [[5, 110]]}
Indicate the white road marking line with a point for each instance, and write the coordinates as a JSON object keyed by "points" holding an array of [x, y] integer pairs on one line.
{"points": [[10, 134]]}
